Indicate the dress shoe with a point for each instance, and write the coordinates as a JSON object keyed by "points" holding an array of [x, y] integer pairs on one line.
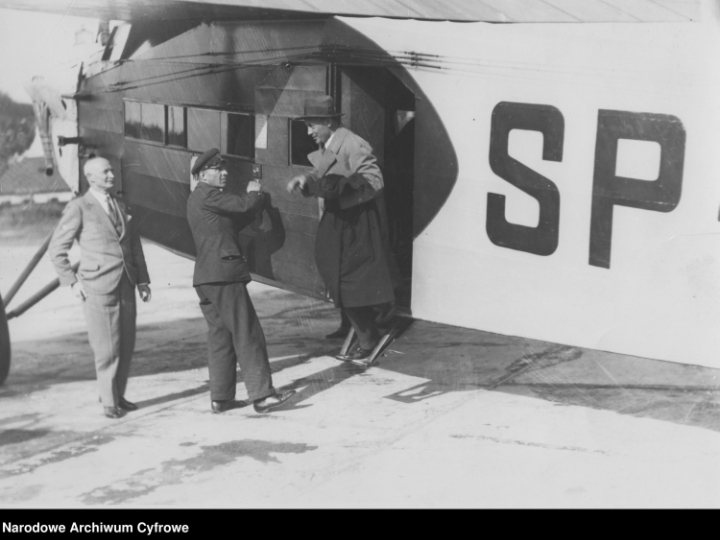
{"points": [[111, 412], [345, 357], [126, 405], [360, 357], [340, 333], [223, 405], [364, 362], [354, 353], [270, 402]]}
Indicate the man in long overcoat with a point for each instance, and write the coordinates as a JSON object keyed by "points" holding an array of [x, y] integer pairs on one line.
{"points": [[220, 278], [352, 249]]}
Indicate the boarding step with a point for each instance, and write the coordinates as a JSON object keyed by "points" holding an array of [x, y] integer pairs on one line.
{"points": [[392, 324]]}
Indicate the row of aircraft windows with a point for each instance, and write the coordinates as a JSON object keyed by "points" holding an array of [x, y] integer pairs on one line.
{"points": [[191, 128]]}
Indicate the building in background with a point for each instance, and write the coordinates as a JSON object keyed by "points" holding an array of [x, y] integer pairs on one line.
{"points": [[25, 181]]}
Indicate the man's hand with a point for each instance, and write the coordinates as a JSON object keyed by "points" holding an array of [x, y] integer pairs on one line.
{"points": [[253, 185], [78, 290], [297, 183], [145, 292]]}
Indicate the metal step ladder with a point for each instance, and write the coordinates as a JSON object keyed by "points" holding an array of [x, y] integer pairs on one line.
{"points": [[399, 321]]}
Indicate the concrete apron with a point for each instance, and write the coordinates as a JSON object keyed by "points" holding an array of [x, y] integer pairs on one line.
{"points": [[450, 418]]}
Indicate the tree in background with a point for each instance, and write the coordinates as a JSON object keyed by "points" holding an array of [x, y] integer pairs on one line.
{"points": [[17, 129]]}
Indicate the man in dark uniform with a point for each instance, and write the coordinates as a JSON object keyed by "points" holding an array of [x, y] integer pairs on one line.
{"points": [[351, 248], [220, 278]]}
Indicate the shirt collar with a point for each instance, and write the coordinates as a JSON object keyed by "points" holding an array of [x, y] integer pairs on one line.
{"points": [[99, 195], [327, 143]]}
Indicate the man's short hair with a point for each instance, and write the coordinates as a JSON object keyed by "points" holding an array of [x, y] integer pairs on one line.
{"points": [[90, 162]]}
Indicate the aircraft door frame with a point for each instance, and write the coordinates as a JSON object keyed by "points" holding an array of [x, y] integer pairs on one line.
{"points": [[378, 107]]}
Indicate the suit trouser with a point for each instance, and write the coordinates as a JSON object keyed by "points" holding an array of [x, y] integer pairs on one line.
{"points": [[363, 321], [234, 337], [110, 322]]}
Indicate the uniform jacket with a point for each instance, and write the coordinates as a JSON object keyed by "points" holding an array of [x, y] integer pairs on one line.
{"points": [[212, 215], [352, 250], [104, 255]]}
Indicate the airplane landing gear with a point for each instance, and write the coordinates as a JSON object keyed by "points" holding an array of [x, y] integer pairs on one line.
{"points": [[22, 308], [4, 344]]}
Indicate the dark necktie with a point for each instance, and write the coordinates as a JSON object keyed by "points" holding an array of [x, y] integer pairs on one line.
{"points": [[114, 215]]}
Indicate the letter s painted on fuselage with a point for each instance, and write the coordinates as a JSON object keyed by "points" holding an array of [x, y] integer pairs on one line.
{"points": [[660, 195], [506, 116]]}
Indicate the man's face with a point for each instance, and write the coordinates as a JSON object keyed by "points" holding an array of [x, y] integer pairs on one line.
{"points": [[100, 175], [215, 176], [319, 129]]}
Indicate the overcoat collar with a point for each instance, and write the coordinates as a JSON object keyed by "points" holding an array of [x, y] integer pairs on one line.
{"points": [[322, 161], [94, 205], [338, 139]]}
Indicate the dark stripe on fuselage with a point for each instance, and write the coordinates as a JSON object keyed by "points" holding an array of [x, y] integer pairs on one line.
{"points": [[168, 231], [156, 193]]}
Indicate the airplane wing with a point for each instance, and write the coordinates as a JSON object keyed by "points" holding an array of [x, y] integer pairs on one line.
{"points": [[498, 11]]}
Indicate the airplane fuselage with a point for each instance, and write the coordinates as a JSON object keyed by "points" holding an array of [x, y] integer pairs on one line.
{"points": [[552, 181]]}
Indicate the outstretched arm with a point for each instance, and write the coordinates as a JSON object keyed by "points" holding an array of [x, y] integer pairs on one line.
{"points": [[229, 203]]}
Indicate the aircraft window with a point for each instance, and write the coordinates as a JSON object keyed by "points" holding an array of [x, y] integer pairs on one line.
{"points": [[239, 135], [153, 122], [301, 144], [176, 126], [133, 119], [203, 129]]}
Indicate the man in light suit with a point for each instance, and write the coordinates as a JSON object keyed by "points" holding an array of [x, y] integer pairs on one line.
{"points": [[112, 264], [352, 249]]}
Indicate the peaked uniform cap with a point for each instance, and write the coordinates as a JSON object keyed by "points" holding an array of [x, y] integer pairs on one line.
{"points": [[319, 107], [209, 158]]}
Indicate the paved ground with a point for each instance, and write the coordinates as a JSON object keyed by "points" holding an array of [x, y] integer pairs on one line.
{"points": [[450, 418]]}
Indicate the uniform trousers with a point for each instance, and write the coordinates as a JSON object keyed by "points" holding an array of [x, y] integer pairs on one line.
{"points": [[234, 337], [110, 320]]}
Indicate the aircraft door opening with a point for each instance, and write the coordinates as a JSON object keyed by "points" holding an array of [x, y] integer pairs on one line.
{"points": [[381, 110]]}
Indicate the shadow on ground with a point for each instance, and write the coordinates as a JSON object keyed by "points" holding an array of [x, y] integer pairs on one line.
{"points": [[450, 359], [294, 329], [454, 359]]}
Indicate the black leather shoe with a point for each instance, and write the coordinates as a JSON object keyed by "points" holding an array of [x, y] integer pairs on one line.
{"points": [[346, 357], [340, 333], [221, 406], [111, 412], [364, 362], [270, 402], [354, 353], [360, 357], [126, 405]]}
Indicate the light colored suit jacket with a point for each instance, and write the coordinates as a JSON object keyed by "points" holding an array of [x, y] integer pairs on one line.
{"points": [[104, 255]]}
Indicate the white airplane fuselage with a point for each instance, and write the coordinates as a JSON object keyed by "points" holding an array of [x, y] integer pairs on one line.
{"points": [[565, 175]]}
